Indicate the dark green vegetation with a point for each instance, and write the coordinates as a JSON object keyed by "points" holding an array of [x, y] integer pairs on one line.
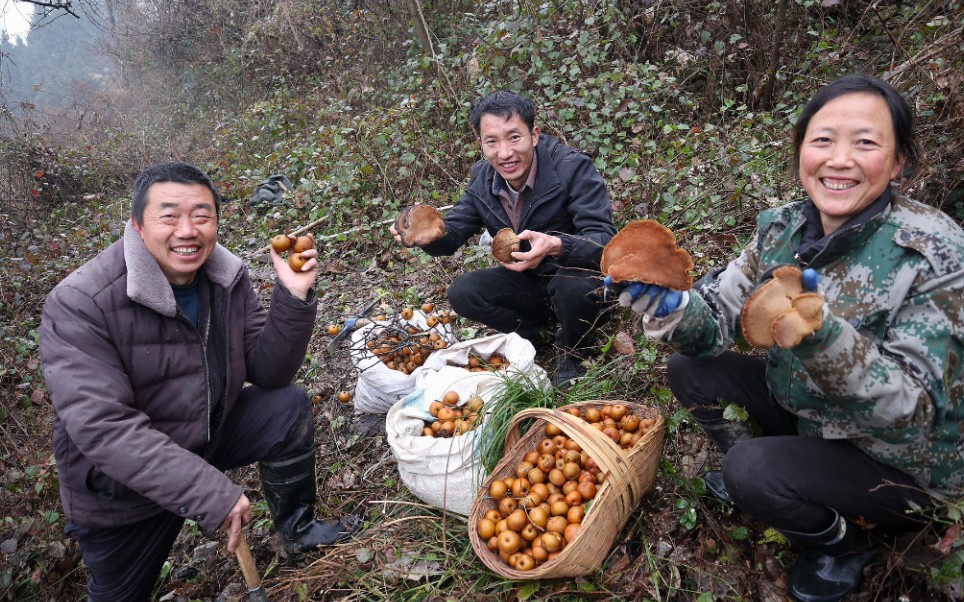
{"points": [[686, 107]]}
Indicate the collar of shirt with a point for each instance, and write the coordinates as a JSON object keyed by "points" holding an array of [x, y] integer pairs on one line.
{"points": [[814, 240]]}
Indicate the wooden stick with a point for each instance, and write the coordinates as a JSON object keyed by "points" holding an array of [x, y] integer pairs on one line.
{"points": [[250, 571], [265, 248], [304, 228]]}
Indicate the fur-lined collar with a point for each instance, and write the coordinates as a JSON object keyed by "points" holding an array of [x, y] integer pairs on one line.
{"points": [[146, 283]]}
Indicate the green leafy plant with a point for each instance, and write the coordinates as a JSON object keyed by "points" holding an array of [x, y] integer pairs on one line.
{"points": [[515, 392]]}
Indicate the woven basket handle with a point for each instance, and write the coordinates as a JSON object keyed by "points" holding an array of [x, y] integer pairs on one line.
{"points": [[605, 453]]}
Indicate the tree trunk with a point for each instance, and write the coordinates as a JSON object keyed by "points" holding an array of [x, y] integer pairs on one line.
{"points": [[421, 28], [766, 95]]}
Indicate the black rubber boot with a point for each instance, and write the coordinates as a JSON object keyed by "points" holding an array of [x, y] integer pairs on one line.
{"points": [[289, 489], [726, 433], [832, 563]]}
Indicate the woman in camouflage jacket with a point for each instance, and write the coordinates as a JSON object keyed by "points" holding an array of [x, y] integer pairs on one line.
{"points": [[863, 418]]}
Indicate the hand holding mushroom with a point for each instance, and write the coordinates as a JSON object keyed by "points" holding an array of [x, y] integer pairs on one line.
{"points": [[647, 270], [506, 242], [783, 311], [649, 299], [418, 225]]}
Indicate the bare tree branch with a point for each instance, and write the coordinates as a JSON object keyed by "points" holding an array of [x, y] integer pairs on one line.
{"points": [[66, 6]]}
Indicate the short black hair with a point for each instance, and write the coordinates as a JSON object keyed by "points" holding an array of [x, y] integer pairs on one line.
{"points": [[174, 171], [900, 114], [505, 104]]}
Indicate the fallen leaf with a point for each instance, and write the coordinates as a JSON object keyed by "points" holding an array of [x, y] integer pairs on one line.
{"points": [[772, 569], [947, 542], [620, 565], [623, 344], [412, 568], [364, 555]]}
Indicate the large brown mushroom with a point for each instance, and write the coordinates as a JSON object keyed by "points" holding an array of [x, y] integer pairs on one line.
{"points": [[804, 319], [419, 225], [504, 243], [646, 251], [780, 313]]}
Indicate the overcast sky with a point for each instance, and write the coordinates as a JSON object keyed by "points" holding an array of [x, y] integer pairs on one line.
{"points": [[15, 16]]}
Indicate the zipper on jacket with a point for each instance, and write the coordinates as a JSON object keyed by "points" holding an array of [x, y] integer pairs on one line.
{"points": [[207, 369], [207, 376], [226, 328]]}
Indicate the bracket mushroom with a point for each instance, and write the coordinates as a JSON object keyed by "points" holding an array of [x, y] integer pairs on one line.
{"points": [[419, 225], [645, 251], [780, 313]]}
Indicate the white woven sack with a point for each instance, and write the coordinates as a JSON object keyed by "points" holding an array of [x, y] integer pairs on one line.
{"points": [[378, 386], [443, 472], [519, 351]]}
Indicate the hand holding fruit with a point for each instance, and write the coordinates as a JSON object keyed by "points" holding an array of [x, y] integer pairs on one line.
{"points": [[298, 273]]}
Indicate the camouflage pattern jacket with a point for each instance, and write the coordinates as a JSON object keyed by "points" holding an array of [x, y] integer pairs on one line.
{"points": [[885, 370]]}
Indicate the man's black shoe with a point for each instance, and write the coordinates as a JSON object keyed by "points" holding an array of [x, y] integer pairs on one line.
{"points": [[714, 483], [569, 369]]}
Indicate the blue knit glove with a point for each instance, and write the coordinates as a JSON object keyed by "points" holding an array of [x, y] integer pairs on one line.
{"points": [[650, 299], [810, 280]]}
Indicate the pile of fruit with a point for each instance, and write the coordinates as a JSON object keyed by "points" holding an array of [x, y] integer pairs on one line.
{"points": [[404, 348], [401, 345], [616, 422], [493, 363], [452, 420], [541, 506]]}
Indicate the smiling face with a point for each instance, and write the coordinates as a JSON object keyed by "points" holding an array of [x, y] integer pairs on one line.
{"points": [[848, 156], [179, 228], [509, 146]]}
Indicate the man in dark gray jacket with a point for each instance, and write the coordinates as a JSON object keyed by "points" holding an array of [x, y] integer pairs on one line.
{"points": [[146, 350], [553, 197]]}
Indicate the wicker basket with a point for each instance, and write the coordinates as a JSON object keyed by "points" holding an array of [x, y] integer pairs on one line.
{"points": [[630, 474]]}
